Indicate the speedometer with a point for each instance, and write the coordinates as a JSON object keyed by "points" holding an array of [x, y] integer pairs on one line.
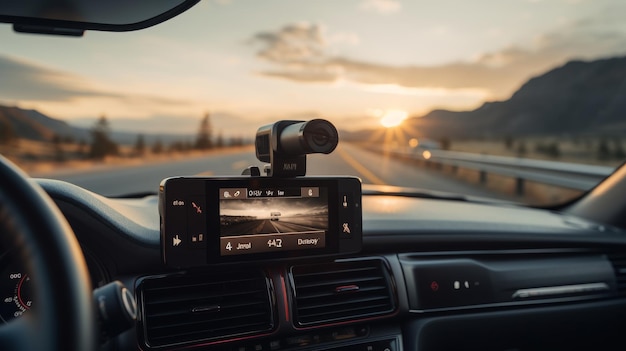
{"points": [[15, 293], [16, 296]]}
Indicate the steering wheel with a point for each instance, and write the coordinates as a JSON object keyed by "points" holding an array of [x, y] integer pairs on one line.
{"points": [[62, 317]]}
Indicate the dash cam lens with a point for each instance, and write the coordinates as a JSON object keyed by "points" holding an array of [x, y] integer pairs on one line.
{"points": [[319, 136]]}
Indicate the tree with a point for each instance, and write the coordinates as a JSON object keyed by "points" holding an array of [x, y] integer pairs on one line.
{"points": [[540, 147], [508, 142], [157, 147], [553, 150], [140, 145], [101, 143], [204, 141], [179, 146]]}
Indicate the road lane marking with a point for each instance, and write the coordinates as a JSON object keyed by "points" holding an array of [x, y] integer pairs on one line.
{"points": [[366, 173], [275, 228]]}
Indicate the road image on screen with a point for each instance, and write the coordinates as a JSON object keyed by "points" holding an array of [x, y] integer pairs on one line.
{"points": [[273, 215]]}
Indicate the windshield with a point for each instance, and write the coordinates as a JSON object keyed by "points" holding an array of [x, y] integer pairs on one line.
{"points": [[519, 100]]}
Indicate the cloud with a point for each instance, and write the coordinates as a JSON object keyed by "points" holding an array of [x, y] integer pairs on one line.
{"points": [[344, 38], [294, 43], [22, 80], [381, 6], [299, 53], [25, 81]]}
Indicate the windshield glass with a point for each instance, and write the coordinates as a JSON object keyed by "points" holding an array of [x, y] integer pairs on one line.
{"points": [[521, 100]]}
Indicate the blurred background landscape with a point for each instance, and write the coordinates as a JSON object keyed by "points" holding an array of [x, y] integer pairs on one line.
{"points": [[404, 81], [573, 113]]}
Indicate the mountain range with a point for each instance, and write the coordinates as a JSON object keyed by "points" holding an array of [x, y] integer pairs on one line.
{"points": [[578, 98], [33, 125]]}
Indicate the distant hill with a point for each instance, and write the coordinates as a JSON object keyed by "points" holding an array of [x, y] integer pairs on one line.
{"points": [[30, 124], [33, 125], [579, 98]]}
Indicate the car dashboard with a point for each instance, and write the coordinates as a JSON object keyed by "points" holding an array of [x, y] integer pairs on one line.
{"points": [[434, 274]]}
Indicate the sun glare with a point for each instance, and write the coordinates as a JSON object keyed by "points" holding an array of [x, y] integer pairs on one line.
{"points": [[393, 118]]}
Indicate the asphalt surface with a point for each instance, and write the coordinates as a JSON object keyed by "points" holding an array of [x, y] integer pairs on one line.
{"points": [[347, 159]]}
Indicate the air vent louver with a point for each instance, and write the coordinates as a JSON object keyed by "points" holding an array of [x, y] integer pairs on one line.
{"points": [[341, 291], [184, 309], [619, 265]]}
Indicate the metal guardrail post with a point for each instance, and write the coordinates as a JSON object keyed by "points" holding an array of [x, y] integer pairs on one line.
{"points": [[483, 177], [519, 186]]}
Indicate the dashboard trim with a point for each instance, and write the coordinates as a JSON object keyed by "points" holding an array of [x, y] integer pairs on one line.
{"points": [[559, 290]]}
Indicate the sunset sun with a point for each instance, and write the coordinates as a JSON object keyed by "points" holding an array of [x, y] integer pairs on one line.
{"points": [[393, 118]]}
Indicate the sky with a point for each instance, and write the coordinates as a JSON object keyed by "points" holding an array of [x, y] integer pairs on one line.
{"points": [[353, 62]]}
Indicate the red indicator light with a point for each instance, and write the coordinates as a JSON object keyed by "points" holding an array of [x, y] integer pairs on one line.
{"points": [[434, 286]]}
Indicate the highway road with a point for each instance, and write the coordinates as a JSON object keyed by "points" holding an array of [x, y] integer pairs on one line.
{"points": [[347, 159], [266, 226]]}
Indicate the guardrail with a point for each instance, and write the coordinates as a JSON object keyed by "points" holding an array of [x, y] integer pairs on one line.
{"points": [[562, 174]]}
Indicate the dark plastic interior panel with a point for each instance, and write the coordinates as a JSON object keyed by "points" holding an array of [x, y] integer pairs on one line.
{"points": [[443, 283], [584, 326]]}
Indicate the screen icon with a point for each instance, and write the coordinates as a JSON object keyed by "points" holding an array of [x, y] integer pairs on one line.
{"points": [[232, 193], [346, 228], [310, 191], [196, 207], [197, 238]]}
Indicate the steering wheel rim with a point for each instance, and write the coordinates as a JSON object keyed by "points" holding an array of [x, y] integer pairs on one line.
{"points": [[62, 317]]}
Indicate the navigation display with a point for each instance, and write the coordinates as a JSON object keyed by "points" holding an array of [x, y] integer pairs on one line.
{"points": [[207, 220], [272, 219]]}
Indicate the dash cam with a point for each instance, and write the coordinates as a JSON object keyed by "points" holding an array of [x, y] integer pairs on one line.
{"points": [[283, 215], [285, 144]]}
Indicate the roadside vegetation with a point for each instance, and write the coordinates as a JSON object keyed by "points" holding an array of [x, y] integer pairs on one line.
{"points": [[68, 152], [594, 150]]}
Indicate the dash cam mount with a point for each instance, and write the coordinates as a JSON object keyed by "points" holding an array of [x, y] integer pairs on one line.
{"points": [[285, 144]]}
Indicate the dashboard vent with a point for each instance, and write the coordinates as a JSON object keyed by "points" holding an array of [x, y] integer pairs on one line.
{"points": [[334, 292], [184, 309], [619, 265]]}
